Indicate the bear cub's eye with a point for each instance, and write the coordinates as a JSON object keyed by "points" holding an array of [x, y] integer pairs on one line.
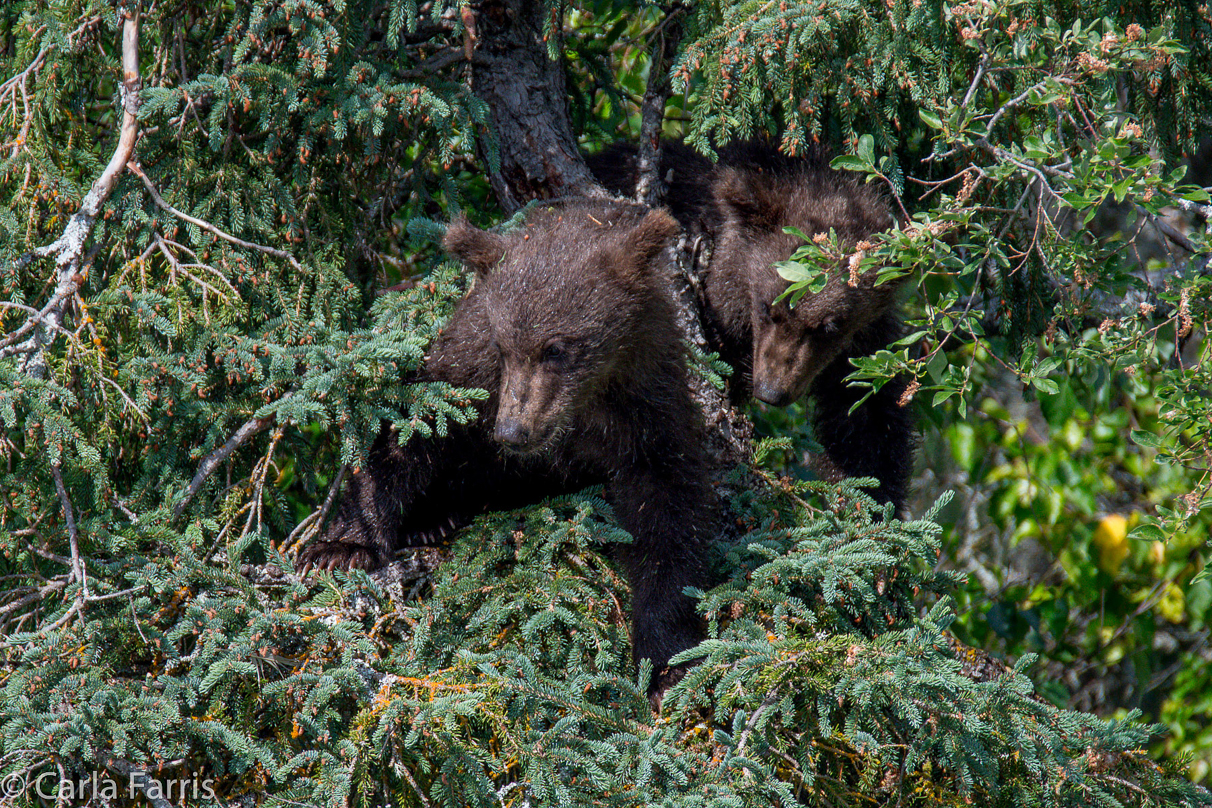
{"points": [[554, 353], [769, 313]]}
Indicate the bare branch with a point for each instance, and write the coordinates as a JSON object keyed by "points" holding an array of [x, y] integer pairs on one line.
{"points": [[250, 427], [34, 595], [207, 226], [68, 249], [311, 523], [1168, 230], [976, 81]]}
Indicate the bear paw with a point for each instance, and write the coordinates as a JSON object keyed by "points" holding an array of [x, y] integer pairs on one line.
{"points": [[329, 554]]}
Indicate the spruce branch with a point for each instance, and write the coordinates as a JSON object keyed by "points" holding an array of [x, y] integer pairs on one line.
{"points": [[19, 83]]}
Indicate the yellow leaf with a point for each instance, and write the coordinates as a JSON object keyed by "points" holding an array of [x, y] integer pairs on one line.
{"points": [[1111, 539], [1157, 552]]}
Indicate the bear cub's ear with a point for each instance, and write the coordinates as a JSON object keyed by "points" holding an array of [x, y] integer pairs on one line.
{"points": [[650, 236], [477, 249], [746, 200]]}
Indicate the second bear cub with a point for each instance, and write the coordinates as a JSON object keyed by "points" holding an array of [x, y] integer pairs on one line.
{"points": [[781, 352], [570, 328]]}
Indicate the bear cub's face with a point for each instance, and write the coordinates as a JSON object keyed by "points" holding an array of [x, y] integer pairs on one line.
{"points": [[792, 344], [564, 297], [552, 343]]}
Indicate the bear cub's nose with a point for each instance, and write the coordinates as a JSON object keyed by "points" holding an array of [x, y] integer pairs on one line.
{"points": [[771, 394], [512, 432]]}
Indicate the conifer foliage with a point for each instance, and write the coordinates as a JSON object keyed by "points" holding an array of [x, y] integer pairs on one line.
{"points": [[199, 201]]}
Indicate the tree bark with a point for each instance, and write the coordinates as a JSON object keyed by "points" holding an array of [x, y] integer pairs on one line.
{"points": [[512, 74]]}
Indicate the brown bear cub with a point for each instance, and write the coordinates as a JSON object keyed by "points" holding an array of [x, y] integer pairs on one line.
{"points": [[570, 328], [780, 352]]}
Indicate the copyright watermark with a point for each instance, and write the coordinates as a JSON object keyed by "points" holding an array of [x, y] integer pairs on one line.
{"points": [[50, 785], [12, 786]]}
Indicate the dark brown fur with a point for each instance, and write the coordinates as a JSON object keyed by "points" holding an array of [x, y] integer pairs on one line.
{"points": [[571, 331], [781, 352]]}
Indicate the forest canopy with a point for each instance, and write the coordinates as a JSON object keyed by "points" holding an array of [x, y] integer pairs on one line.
{"points": [[220, 269]]}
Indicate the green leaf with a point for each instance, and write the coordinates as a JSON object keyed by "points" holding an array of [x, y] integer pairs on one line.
{"points": [[866, 149], [1034, 148], [1046, 386], [1077, 201], [795, 272], [1146, 439], [936, 366], [848, 162], [1147, 532]]}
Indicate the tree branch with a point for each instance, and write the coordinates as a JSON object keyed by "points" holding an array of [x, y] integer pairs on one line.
{"points": [[207, 226], [650, 186], [68, 249], [73, 533], [212, 460]]}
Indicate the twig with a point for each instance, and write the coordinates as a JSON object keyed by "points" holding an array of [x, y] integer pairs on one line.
{"points": [[416, 789], [125, 398], [1011, 104], [207, 226], [260, 472], [35, 596], [247, 430], [164, 243]]}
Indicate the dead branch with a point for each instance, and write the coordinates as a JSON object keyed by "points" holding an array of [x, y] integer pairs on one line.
{"points": [[73, 533], [247, 430], [310, 525], [68, 249], [207, 226]]}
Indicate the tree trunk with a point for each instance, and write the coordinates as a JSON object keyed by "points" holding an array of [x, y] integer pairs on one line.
{"points": [[511, 72]]}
